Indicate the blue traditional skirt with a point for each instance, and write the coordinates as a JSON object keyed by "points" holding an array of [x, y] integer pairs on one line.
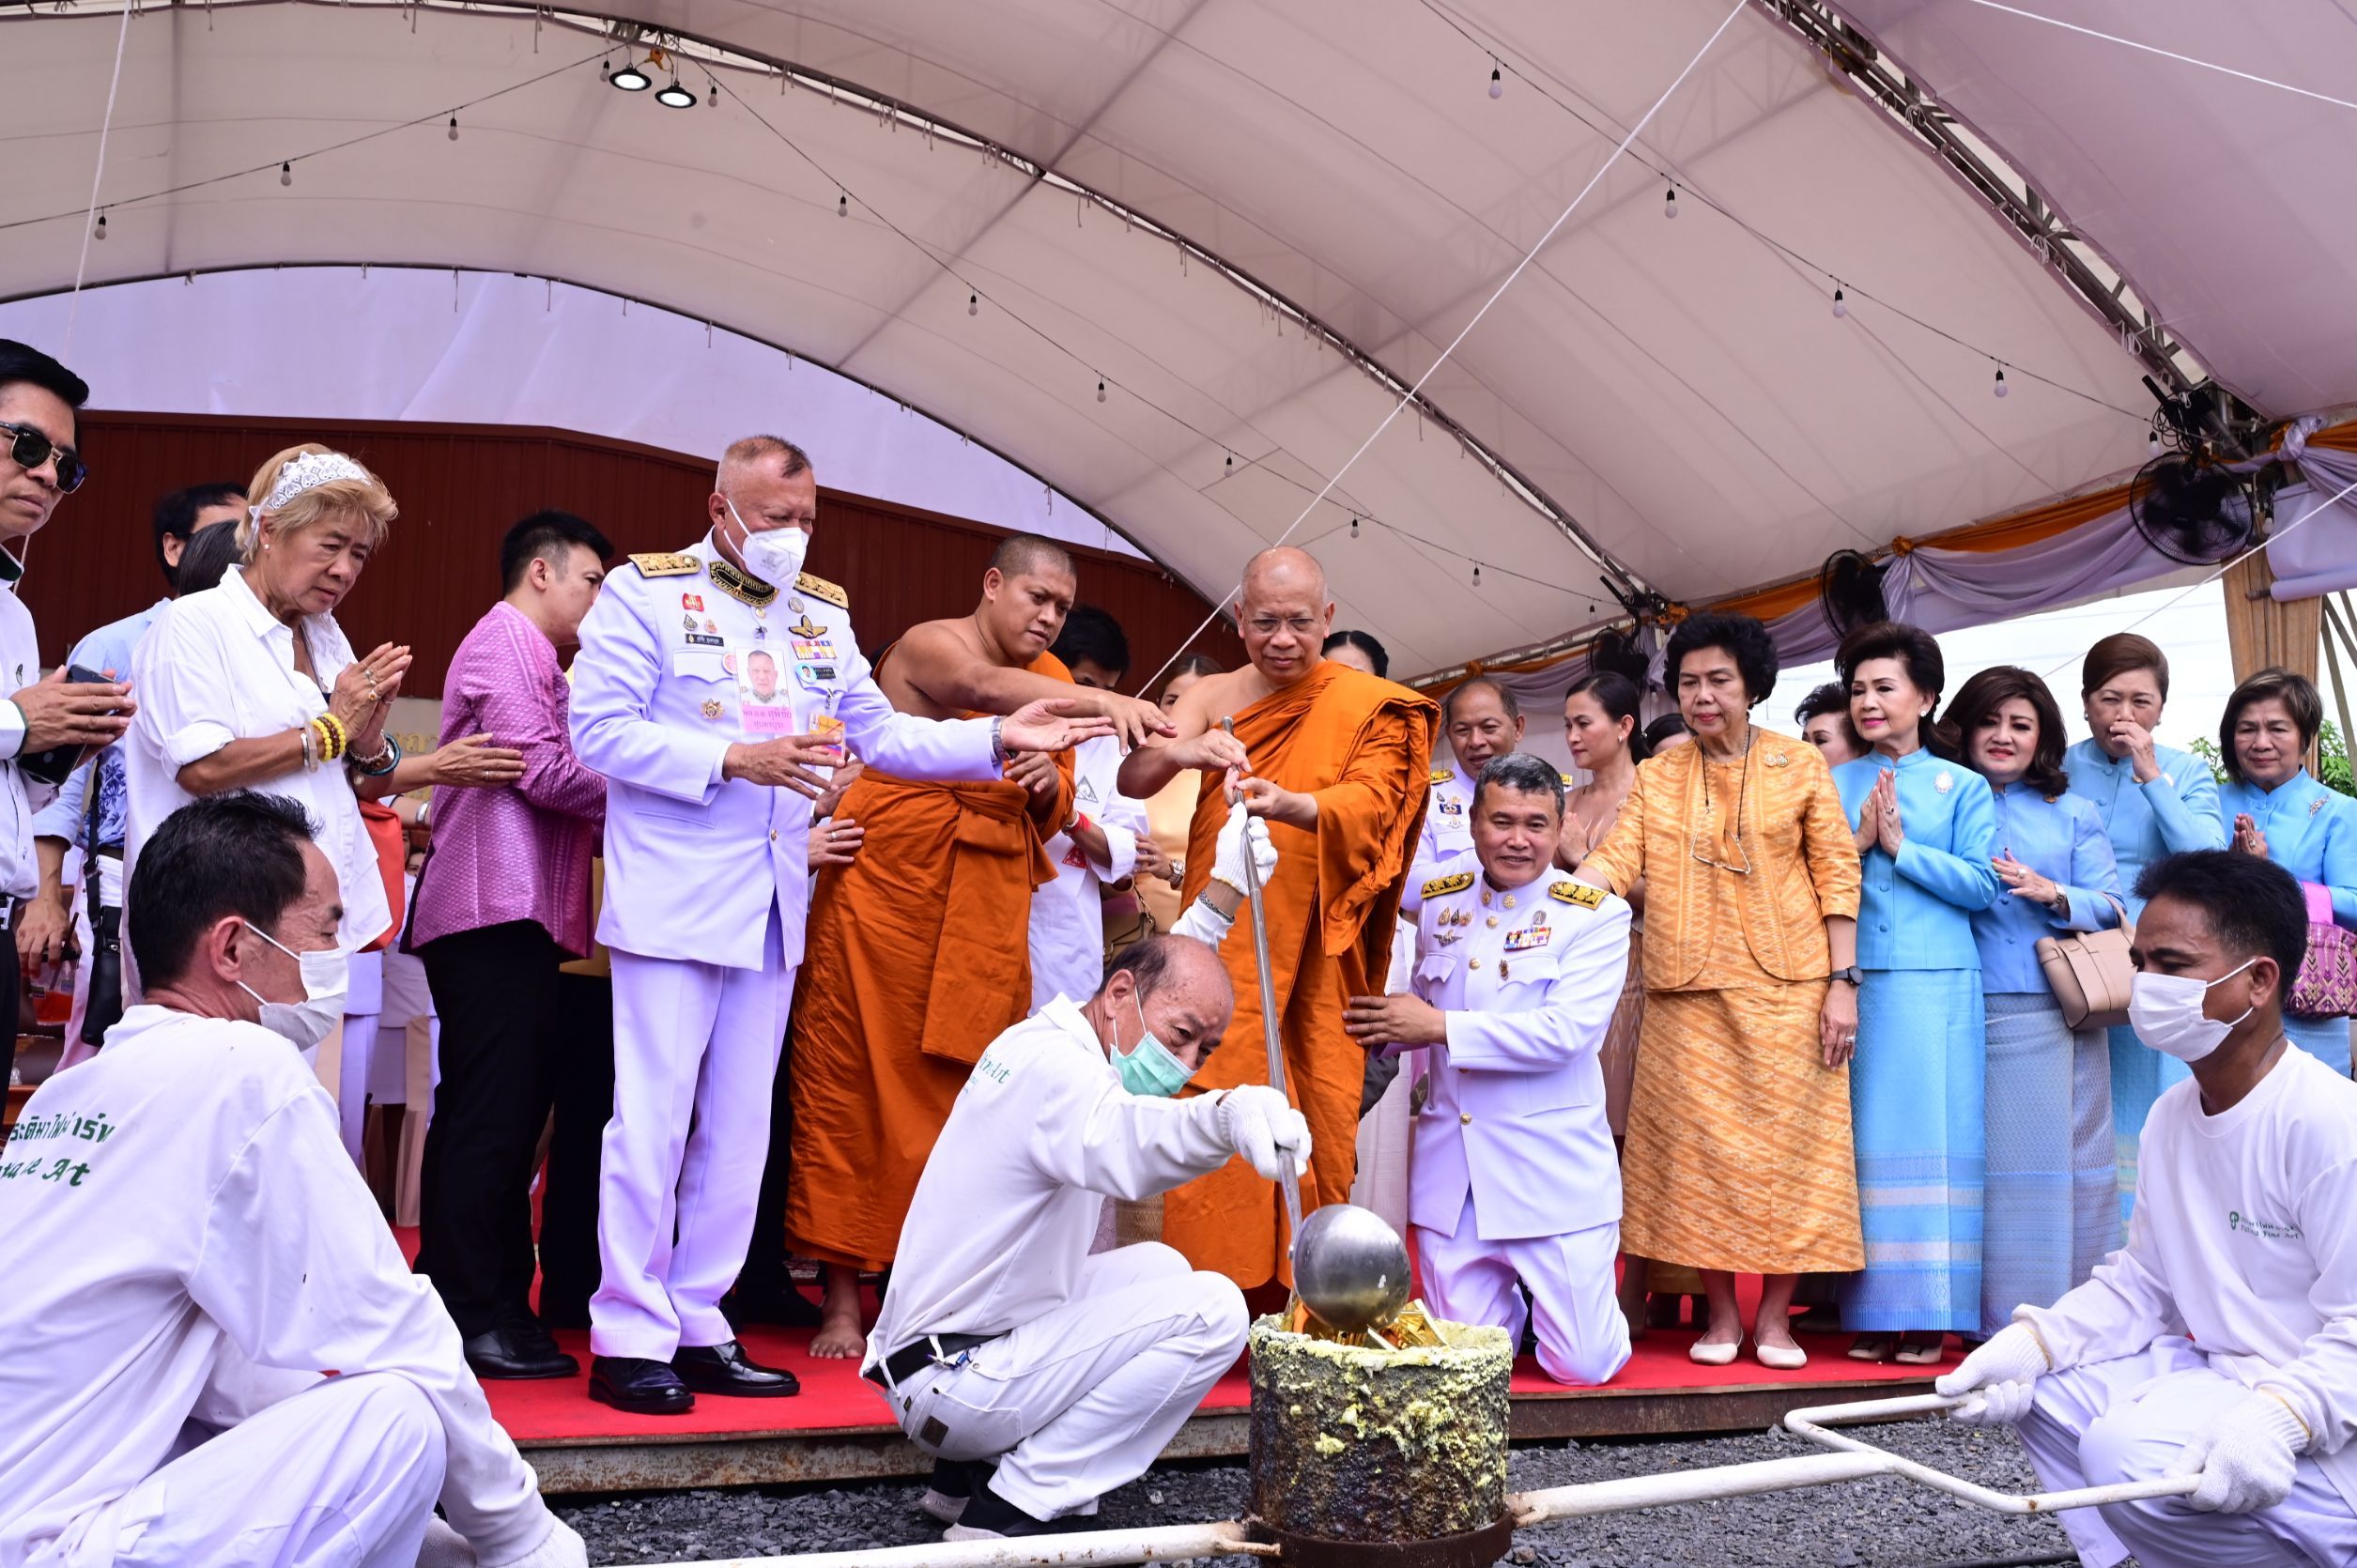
{"points": [[2140, 1073], [1916, 1090], [2325, 1039], [2050, 1211]]}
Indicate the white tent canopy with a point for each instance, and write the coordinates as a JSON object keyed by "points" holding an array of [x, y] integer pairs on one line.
{"points": [[1158, 194]]}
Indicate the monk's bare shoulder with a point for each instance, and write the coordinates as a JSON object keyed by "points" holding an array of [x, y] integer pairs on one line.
{"points": [[924, 653]]}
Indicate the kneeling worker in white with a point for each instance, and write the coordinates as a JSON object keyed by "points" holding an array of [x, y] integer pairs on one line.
{"points": [[1512, 1176], [1002, 1339], [2222, 1341], [216, 1353]]}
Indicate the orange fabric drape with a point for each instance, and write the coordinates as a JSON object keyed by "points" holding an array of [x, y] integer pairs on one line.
{"points": [[917, 955], [1363, 747]]}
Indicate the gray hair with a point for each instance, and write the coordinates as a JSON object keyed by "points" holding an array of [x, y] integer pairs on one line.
{"points": [[755, 449], [1520, 770]]}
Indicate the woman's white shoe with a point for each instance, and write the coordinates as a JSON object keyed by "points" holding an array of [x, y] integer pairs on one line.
{"points": [[1703, 1353], [1781, 1358]]}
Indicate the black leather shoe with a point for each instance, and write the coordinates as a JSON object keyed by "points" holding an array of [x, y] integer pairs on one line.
{"points": [[639, 1386], [499, 1353], [724, 1369], [778, 1307], [527, 1332]]}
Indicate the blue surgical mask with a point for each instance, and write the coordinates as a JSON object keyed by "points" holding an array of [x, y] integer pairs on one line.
{"points": [[1148, 1069]]}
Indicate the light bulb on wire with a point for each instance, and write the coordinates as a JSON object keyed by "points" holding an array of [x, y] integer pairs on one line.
{"points": [[973, 304], [842, 205], [1840, 303], [454, 127], [1496, 83], [286, 174], [1354, 528], [100, 233], [1670, 203], [1476, 573], [712, 98], [2001, 388], [1101, 391]]}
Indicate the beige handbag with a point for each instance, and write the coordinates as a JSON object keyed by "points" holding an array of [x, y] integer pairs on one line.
{"points": [[2090, 974]]}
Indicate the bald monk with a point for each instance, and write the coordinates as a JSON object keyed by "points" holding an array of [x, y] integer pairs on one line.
{"points": [[1336, 760], [918, 950]]}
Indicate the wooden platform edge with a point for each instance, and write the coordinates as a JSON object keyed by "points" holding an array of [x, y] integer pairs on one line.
{"points": [[607, 1465]]}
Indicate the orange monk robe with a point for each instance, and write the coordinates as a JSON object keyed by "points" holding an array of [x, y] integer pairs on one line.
{"points": [[917, 955], [1363, 747]]}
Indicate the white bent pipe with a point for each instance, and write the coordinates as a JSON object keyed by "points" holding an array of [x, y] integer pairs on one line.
{"points": [[1854, 1459]]}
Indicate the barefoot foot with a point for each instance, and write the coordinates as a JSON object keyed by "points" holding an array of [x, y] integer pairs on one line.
{"points": [[840, 1336]]}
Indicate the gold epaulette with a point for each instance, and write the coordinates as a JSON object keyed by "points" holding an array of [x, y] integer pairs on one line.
{"points": [[1441, 776], [819, 587], [1577, 893], [666, 563], [1440, 885]]}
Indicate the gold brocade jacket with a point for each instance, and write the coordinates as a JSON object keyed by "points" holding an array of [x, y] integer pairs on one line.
{"points": [[1804, 863]]}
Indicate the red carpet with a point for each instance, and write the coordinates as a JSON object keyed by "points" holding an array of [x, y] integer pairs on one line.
{"points": [[835, 1397]]}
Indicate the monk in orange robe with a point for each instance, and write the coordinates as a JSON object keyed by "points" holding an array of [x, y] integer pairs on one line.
{"points": [[1337, 763], [917, 952]]}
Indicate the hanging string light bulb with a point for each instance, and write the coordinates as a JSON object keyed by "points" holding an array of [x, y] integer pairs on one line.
{"points": [[1670, 203], [1354, 528], [100, 233], [842, 205], [973, 304], [454, 127], [2001, 388], [1496, 83], [1840, 303], [1101, 391], [711, 98], [1476, 573], [286, 174]]}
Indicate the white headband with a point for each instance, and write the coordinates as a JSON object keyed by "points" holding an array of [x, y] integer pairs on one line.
{"points": [[308, 472]]}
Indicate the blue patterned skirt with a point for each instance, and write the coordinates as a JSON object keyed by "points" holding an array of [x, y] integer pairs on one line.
{"points": [[1916, 1091], [2050, 1208], [2140, 1073]]}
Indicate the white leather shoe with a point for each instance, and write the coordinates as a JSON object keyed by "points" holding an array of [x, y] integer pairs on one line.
{"points": [[1703, 1354], [1781, 1358]]}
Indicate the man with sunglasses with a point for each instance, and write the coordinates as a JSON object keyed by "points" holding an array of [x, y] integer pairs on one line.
{"points": [[39, 466]]}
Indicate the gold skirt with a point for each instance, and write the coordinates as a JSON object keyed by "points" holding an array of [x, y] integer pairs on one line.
{"points": [[1739, 1154]]}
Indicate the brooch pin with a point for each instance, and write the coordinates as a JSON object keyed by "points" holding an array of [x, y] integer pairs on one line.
{"points": [[1944, 782]]}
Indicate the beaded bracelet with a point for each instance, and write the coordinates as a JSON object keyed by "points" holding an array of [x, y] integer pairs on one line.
{"points": [[325, 734], [380, 765], [341, 738]]}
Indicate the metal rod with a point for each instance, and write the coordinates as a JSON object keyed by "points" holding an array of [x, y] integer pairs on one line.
{"points": [[1286, 1181], [1813, 1424], [1719, 1480], [1163, 1544]]}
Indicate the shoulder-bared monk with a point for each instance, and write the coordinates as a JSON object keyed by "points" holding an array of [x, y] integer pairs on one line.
{"points": [[1337, 761], [918, 954]]}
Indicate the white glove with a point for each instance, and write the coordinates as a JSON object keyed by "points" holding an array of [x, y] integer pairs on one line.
{"points": [[1995, 1381], [443, 1546], [1266, 1129], [1227, 864], [2248, 1460], [559, 1548]]}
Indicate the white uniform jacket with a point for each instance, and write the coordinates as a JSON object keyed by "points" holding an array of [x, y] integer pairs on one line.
{"points": [[1529, 979], [1041, 1134], [1446, 832], [672, 669]]}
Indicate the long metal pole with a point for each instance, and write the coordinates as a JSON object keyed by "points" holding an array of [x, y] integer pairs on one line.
{"points": [[1165, 1543], [1814, 1424], [1287, 1182]]}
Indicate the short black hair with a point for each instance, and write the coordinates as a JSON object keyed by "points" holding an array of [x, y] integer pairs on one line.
{"points": [[2255, 907], [1620, 697], [1745, 641], [546, 536], [21, 361], [1987, 692], [211, 551], [175, 517], [1479, 683], [237, 853], [1660, 730], [1832, 698], [1091, 633], [1021, 553], [1520, 770], [2296, 692], [1375, 653]]}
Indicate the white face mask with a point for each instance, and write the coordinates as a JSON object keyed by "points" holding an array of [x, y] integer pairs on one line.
{"points": [[773, 554], [2165, 1013], [326, 976]]}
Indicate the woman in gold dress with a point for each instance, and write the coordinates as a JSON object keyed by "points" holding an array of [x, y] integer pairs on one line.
{"points": [[1739, 1157]]}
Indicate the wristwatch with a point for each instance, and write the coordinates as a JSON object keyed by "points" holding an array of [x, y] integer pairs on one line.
{"points": [[1853, 976]]}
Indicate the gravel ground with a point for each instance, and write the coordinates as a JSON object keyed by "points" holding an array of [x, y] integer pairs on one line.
{"points": [[1878, 1523]]}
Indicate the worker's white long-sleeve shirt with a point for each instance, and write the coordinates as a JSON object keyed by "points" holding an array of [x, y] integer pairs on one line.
{"points": [[2244, 1237], [1067, 921], [180, 1229], [1041, 1134]]}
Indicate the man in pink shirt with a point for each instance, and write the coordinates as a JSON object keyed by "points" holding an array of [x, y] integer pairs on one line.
{"points": [[502, 901]]}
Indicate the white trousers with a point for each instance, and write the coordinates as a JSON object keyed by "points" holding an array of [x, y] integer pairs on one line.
{"points": [[1582, 1337], [1084, 1398], [345, 1474], [2125, 1420], [695, 1056]]}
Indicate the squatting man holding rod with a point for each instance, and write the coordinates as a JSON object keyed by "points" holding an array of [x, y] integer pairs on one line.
{"points": [[1042, 1376], [2222, 1341], [188, 1246]]}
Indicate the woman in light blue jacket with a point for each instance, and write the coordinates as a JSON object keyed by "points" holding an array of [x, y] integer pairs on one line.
{"points": [[2155, 800], [2275, 808], [1925, 825], [2050, 1206]]}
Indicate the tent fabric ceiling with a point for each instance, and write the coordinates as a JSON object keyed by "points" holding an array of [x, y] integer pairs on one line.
{"points": [[1682, 391], [2230, 202]]}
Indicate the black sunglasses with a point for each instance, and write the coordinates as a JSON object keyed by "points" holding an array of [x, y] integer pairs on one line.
{"points": [[31, 449]]}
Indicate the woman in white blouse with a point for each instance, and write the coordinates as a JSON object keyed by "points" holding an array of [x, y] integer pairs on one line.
{"points": [[252, 684]]}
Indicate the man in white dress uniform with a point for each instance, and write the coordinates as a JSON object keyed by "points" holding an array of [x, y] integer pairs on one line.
{"points": [[216, 1353], [2222, 1341], [1097, 846], [707, 827], [1481, 720], [1514, 1175]]}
